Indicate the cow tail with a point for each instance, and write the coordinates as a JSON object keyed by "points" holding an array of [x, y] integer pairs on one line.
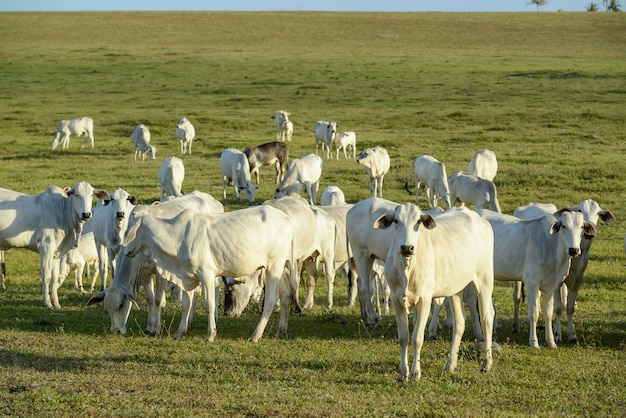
{"points": [[294, 276], [408, 176]]}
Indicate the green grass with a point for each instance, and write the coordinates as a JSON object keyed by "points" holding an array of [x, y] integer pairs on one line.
{"points": [[545, 91]]}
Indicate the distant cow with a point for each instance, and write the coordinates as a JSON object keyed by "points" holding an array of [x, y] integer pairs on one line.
{"points": [[280, 120], [171, 175], [431, 173], [141, 141], [484, 164], [344, 141], [325, 135], [467, 188], [302, 173], [267, 154], [431, 258], [185, 132], [332, 196], [79, 127], [376, 163], [49, 223], [234, 166]]}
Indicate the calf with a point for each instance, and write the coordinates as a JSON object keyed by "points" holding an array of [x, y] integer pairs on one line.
{"points": [[234, 166], [332, 196], [467, 188], [185, 132], [79, 127], [141, 141], [431, 173], [429, 259], [376, 163], [302, 173], [171, 175], [267, 154], [484, 164], [346, 140], [78, 258], [325, 135]]}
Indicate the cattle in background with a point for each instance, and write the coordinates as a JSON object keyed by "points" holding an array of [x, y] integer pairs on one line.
{"points": [[344, 141], [565, 296], [484, 164], [118, 297], [537, 252], [234, 166], [467, 188], [429, 259], [171, 175], [79, 127], [302, 173], [141, 141], [185, 132], [332, 196], [376, 163], [49, 223], [431, 173], [267, 154], [280, 119], [286, 129], [325, 135]]}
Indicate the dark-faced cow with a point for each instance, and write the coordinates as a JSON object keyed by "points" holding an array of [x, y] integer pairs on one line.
{"points": [[267, 154]]}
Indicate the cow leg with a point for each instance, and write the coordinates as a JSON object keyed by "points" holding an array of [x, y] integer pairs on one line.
{"points": [[457, 331], [186, 304], [471, 301], [547, 302], [46, 274], [417, 337], [208, 284], [329, 273], [309, 192], [352, 284], [434, 326], [380, 187], [517, 297], [103, 264], [533, 314], [487, 316], [572, 294], [402, 321], [311, 274], [364, 268], [560, 295], [269, 302]]}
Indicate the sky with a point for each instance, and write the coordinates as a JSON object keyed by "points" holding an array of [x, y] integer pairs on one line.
{"points": [[295, 5]]}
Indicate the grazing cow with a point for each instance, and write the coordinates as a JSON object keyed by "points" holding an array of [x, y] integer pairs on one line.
{"points": [[185, 132], [49, 223], [467, 188], [79, 127], [117, 298], [484, 164], [195, 247], [171, 175], [429, 259], [344, 141], [565, 297], [141, 141], [78, 258], [234, 166], [304, 172], [431, 173], [267, 154], [376, 163], [281, 127], [537, 252], [332, 196], [325, 135]]}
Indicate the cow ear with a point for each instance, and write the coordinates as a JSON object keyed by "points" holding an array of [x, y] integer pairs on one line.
{"points": [[428, 221], [589, 231], [132, 199], [384, 221], [67, 191], [99, 297], [606, 216], [102, 194], [556, 227], [131, 297]]}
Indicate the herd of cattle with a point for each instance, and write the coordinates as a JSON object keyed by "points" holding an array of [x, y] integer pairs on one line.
{"points": [[416, 257]]}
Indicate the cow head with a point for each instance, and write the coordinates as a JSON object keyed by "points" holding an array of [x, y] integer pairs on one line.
{"points": [[571, 227], [81, 195], [237, 293], [406, 219], [121, 203], [248, 189], [593, 213]]}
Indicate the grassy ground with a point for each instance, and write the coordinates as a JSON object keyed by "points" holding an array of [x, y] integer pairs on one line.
{"points": [[545, 91]]}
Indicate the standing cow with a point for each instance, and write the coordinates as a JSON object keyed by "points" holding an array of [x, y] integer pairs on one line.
{"points": [[467, 188], [302, 173], [325, 135], [484, 164], [141, 141], [431, 173], [267, 154], [429, 259], [344, 141], [171, 175], [234, 166], [376, 163], [185, 132], [49, 223], [79, 127], [281, 120]]}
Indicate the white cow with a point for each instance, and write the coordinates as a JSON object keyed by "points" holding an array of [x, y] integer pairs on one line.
{"points": [[185, 132], [431, 173], [117, 298], [537, 252], [565, 297], [195, 247], [376, 163], [344, 141], [467, 188], [281, 127], [484, 164], [234, 165], [332, 196], [325, 135], [287, 129], [141, 141], [429, 259], [49, 223], [171, 175], [79, 127], [78, 258], [302, 173]]}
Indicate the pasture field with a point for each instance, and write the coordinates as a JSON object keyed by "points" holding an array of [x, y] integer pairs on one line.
{"points": [[545, 91]]}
